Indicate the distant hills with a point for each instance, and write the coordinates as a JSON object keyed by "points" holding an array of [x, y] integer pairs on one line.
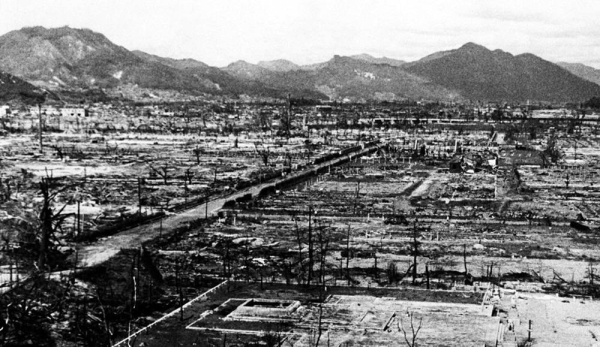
{"points": [[583, 71], [80, 58], [280, 65], [175, 63], [481, 74], [370, 59], [345, 77], [228, 80], [246, 70], [14, 88], [65, 57], [75, 59]]}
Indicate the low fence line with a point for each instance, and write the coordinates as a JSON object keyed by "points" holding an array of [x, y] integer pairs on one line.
{"points": [[125, 341], [242, 332], [477, 287]]}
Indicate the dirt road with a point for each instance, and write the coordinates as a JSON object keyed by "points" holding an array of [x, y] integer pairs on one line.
{"points": [[103, 249]]}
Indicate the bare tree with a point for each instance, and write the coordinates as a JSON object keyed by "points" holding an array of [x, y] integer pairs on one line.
{"points": [[410, 337], [300, 262], [164, 170], [594, 280], [263, 152], [415, 252], [189, 175], [316, 334], [263, 121], [59, 151], [226, 257], [36, 98], [50, 221], [552, 153], [274, 336], [323, 240], [286, 120], [31, 311], [392, 272], [197, 152]]}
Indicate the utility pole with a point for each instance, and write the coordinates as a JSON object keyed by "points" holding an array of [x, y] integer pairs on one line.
{"points": [[348, 255], [376, 269], [139, 196], [40, 127], [465, 258], [289, 116], [78, 218], [415, 253], [357, 193], [160, 230], [310, 246]]}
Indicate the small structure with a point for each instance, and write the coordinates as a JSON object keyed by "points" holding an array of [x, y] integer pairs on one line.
{"points": [[46, 109], [4, 111], [73, 112], [264, 309]]}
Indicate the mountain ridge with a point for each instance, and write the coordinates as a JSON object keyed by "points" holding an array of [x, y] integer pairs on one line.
{"points": [[14, 88], [280, 65], [383, 60], [481, 74], [66, 57], [63, 58], [345, 77], [584, 71]]}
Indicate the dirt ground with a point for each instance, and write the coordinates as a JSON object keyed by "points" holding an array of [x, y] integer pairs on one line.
{"points": [[354, 315]]}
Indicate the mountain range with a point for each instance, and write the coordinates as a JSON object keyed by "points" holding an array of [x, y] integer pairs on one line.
{"points": [[80, 59], [346, 77]]}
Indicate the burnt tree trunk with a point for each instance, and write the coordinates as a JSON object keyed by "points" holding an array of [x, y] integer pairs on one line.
{"points": [[46, 228]]}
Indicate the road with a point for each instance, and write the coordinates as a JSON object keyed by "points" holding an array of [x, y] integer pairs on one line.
{"points": [[105, 248]]}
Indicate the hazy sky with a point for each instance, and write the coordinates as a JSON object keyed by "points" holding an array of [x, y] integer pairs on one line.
{"points": [[220, 32]]}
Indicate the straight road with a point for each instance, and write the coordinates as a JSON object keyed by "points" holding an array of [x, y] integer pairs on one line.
{"points": [[103, 249]]}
